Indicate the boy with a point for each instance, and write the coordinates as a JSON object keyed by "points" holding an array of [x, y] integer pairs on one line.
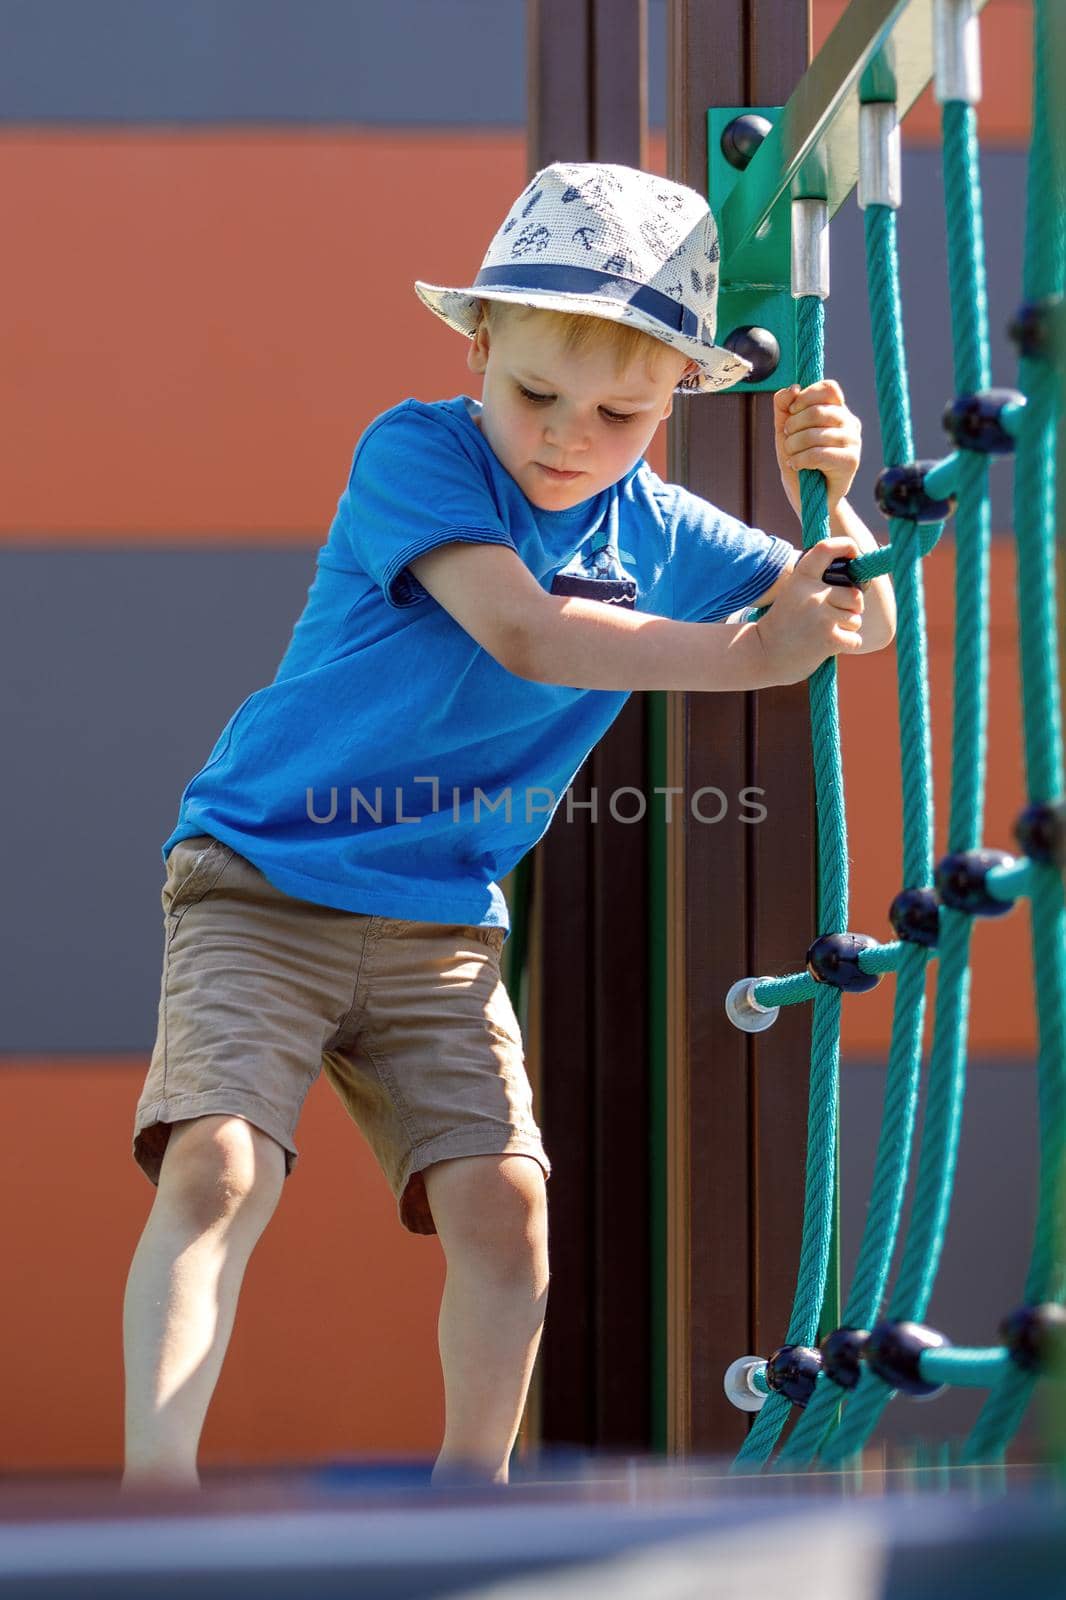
{"points": [[497, 579]]}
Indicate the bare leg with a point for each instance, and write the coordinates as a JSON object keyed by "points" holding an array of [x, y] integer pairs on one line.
{"points": [[491, 1215], [219, 1185]]}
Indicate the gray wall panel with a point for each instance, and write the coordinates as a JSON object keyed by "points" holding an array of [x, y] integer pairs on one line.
{"points": [[405, 61], [121, 667], [986, 1253], [364, 61]]}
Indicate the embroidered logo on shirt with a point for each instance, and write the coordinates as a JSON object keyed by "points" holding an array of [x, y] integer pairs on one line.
{"points": [[597, 574]]}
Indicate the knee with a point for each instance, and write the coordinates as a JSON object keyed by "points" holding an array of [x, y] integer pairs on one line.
{"points": [[491, 1212], [217, 1167]]}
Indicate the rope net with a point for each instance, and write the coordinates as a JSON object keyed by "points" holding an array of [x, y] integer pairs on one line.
{"points": [[838, 1391]]}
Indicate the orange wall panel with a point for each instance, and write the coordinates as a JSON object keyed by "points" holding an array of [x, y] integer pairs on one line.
{"points": [[1005, 112], [334, 1348], [198, 326]]}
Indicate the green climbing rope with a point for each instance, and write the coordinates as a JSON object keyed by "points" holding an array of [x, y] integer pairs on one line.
{"points": [[837, 1431], [947, 1070], [1044, 274], [832, 918], [905, 1055]]}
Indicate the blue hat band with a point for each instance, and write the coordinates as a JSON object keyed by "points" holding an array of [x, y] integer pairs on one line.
{"points": [[660, 307]]}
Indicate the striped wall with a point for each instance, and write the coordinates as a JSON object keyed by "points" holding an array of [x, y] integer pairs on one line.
{"points": [[214, 213], [427, 63]]}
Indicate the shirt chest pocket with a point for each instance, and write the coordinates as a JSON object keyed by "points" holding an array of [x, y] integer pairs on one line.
{"points": [[612, 591]]}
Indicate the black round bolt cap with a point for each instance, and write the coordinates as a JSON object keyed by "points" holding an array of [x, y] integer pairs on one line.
{"points": [[893, 1351], [915, 916], [742, 137], [793, 1371], [900, 492], [1035, 1336], [1041, 833], [834, 958], [842, 1352], [973, 421], [1032, 328], [961, 882], [758, 346]]}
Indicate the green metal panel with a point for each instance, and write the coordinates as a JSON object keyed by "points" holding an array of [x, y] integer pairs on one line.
{"points": [[879, 50], [760, 295]]}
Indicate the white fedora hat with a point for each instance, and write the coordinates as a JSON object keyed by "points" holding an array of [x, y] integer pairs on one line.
{"points": [[613, 242]]}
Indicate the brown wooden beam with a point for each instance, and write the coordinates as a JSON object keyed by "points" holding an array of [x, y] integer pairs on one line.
{"points": [[740, 893], [587, 99]]}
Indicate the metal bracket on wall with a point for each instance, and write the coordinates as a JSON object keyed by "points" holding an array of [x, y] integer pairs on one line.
{"points": [[760, 297]]}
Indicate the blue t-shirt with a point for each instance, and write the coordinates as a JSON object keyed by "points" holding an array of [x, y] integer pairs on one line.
{"points": [[393, 766]]}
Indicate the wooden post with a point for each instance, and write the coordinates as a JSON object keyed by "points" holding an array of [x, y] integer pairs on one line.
{"points": [[741, 895], [587, 102]]}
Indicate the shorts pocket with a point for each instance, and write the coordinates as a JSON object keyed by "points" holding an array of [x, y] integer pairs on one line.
{"points": [[194, 866]]}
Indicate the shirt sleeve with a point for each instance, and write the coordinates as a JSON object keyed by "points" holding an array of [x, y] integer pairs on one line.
{"points": [[414, 485], [719, 564]]}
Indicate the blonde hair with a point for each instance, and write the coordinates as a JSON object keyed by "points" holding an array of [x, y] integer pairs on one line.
{"points": [[579, 331]]}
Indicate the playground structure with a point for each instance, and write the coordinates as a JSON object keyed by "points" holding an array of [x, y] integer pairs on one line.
{"points": [[936, 906], [718, 1132]]}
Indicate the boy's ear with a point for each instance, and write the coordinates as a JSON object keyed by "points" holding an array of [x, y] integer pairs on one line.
{"points": [[690, 366], [477, 355]]}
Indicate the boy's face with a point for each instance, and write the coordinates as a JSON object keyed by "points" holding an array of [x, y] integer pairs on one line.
{"points": [[567, 424]]}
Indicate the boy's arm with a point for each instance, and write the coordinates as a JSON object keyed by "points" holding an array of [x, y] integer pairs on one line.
{"points": [[813, 428], [879, 621], [879, 601], [585, 644]]}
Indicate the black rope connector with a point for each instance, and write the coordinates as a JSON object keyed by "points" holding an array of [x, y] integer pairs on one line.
{"points": [[894, 1350], [758, 346], [842, 1353], [961, 882], [742, 137], [793, 1371], [1032, 329], [900, 492], [1041, 832], [838, 575], [973, 421], [1035, 1337], [834, 959], [915, 916]]}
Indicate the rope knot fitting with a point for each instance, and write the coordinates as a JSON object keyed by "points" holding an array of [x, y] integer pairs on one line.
{"points": [[977, 421], [894, 1351], [901, 492], [915, 916], [1035, 1337], [962, 882], [793, 1372], [834, 959], [1032, 329], [1041, 832], [842, 1353], [838, 575]]}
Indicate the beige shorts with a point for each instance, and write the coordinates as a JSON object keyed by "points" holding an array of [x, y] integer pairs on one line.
{"points": [[410, 1020]]}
